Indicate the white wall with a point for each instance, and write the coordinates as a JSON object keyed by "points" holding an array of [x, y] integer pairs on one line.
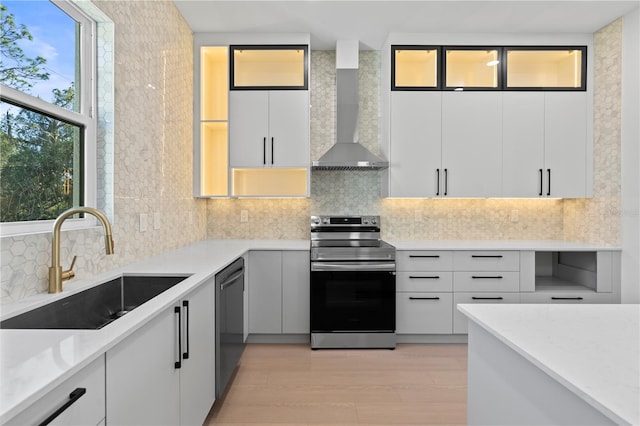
{"points": [[631, 158]]}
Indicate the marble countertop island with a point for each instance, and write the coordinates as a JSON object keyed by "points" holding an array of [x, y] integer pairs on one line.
{"points": [[591, 350]]}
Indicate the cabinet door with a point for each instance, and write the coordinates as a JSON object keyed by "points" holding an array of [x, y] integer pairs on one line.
{"points": [[565, 144], [288, 140], [460, 320], [265, 292], [197, 376], [424, 313], [143, 385], [248, 128], [472, 144], [295, 292], [415, 152], [522, 144], [88, 409]]}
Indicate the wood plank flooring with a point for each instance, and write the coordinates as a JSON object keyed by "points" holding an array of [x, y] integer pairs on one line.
{"points": [[293, 385]]}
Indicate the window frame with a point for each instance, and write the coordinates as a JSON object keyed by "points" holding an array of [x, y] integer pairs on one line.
{"points": [[499, 80], [85, 119], [234, 47], [439, 68], [583, 69]]}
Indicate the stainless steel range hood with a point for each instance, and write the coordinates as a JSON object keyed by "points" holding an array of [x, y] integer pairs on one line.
{"points": [[347, 153]]}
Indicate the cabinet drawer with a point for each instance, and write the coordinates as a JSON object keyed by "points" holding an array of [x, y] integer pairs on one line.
{"points": [[424, 260], [486, 260], [460, 320], [88, 409], [423, 313], [424, 281], [566, 297], [486, 281]]}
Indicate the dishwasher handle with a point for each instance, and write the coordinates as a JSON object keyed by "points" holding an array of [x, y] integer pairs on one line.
{"points": [[231, 280]]}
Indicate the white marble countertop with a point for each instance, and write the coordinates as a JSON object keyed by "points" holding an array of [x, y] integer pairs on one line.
{"points": [[33, 362], [593, 350], [497, 245]]}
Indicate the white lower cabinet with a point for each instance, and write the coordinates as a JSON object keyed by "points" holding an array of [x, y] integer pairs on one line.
{"points": [[278, 292], [486, 281], [560, 297], [164, 374], [431, 283], [460, 321], [423, 313], [424, 282], [295, 292], [85, 389]]}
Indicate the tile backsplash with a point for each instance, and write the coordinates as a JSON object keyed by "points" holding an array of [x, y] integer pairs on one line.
{"points": [[152, 166]]}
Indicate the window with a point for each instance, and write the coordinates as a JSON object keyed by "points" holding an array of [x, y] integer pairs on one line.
{"points": [[278, 67], [546, 67], [472, 67], [47, 128], [415, 67]]}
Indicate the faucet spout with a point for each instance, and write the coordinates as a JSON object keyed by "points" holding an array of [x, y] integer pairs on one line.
{"points": [[56, 274]]}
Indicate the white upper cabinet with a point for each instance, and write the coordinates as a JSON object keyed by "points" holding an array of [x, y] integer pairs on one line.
{"points": [[565, 154], [252, 100], [545, 144], [471, 144], [269, 128], [415, 151], [505, 117], [523, 144]]}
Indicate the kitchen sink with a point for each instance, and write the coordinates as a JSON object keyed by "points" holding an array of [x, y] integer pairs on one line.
{"points": [[96, 307]]}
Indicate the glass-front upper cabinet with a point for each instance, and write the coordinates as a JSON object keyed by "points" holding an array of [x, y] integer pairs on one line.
{"points": [[475, 67], [546, 68], [272, 67], [415, 67]]}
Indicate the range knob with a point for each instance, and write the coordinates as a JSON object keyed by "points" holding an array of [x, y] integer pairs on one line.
{"points": [[373, 221], [315, 220]]}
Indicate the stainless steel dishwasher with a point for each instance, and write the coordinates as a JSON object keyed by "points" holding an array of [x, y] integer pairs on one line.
{"points": [[229, 322]]}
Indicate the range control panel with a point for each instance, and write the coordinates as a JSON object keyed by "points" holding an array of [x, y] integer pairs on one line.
{"points": [[350, 221]]}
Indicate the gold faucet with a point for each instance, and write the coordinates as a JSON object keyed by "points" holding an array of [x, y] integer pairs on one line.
{"points": [[56, 274]]}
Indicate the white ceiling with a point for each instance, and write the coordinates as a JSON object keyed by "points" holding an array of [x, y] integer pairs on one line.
{"points": [[370, 21]]}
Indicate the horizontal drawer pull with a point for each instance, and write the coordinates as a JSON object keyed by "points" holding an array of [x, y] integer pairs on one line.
{"points": [[496, 277], [73, 397], [487, 256], [566, 298], [486, 298], [423, 298], [426, 256], [425, 277]]}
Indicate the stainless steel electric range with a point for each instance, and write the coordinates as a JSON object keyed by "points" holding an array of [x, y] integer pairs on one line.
{"points": [[353, 284]]}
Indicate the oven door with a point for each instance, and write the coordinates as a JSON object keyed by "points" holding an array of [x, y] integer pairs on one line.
{"points": [[349, 297]]}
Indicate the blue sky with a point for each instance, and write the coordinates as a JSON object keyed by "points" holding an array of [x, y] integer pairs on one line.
{"points": [[53, 34]]}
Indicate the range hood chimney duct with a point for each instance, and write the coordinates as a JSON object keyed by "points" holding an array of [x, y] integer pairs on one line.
{"points": [[347, 153]]}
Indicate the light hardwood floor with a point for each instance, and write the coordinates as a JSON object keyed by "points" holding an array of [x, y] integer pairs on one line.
{"points": [[291, 384]]}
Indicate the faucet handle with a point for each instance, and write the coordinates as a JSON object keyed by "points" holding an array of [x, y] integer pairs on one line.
{"points": [[68, 274]]}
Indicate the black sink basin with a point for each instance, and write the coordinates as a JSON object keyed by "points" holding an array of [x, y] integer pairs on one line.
{"points": [[96, 307]]}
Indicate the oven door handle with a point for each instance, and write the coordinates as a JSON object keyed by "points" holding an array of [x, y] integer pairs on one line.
{"points": [[353, 266]]}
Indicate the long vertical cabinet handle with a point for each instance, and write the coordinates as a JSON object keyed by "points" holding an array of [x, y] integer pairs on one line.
{"points": [[185, 307], [177, 311], [73, 397], [437, 181], [446, 181], [548, 181], [264, 150], [541, 183], [271, 149]]}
